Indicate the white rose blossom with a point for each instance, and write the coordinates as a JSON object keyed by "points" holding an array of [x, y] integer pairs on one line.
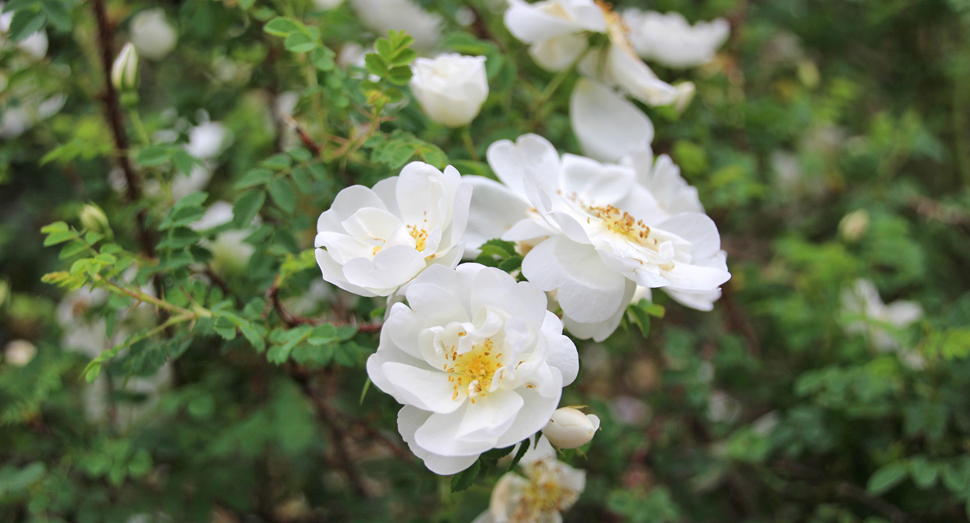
{"points": [[152, 34], [230, 253], [606, 125], [476, 360], [594, 232], [548, 488], [373, 241], [670, 39], [866, 313], [381, 16], [451, 88]]}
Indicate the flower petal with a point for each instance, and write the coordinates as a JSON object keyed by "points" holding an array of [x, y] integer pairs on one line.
{"points": [[490, 416], [440, 433], [607, 125], [424, 388], [534, 414], [495, 209], [409, 419], [588, 291], [391, 268], [560, 351], [530, 155]]}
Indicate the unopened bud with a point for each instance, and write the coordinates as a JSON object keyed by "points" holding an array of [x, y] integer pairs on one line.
{"points": [[854, 225], [124, 72], [94, 219], [570, 428], [685, 93], [19, 352]]}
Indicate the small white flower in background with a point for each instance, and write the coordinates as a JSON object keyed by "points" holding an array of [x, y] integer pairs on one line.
{"points": [[569, 428], [19, 353], [152, 34], [380, 16], [670, 39], [451, 88], [555, 29], [721, 407], [229, 251], [598, 230], [476, 360], [124, 70], [15, 120], [326, 5], [854, 225], [373, 241], [548, 488], [866, 313], [35, 45], [207, 140]]}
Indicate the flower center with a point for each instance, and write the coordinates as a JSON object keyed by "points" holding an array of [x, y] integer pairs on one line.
{"points": [[420, 237], [543, 495], [620, 222], [474, 369]]}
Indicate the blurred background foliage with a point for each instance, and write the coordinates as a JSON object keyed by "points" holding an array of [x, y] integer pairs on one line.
{"points": [[830, 141]]}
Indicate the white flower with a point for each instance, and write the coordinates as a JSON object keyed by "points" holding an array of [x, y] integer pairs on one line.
{"points": [[373, 241], [554, 28], [207, 140], [152, 35], [325, 5], [476, 360], [124, 70], [670, 39], [569, 428], [866, 313], [548, 488], [19, 352], [382, 15], [35, 45], [229, 251], [596, 231], [606, 125], [450, 88]]}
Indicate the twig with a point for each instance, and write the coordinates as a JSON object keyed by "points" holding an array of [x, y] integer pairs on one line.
{"points": [[292, 320], [338, 435], [739, 320], [894, 513], [115, 118]]}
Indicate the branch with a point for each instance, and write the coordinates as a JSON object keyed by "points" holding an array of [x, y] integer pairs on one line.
{"points": [[115, 117], [292, 320]]}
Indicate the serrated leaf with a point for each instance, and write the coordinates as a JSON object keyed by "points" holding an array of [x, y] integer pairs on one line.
{"points": [[375, 64], [154, 156], [299, 43], [887, 477], [282, 192], [246, 208], [283, 26], [465, 478], [254, 177]]}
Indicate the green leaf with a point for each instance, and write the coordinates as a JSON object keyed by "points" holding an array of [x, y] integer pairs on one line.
{"points": [[299, 43], [246, 208], [923, 472], [278, 162], [375, 64], [185, 211], [283, 26], [887, 477], [519, 454], [254, 177], [155, 155], [465, 478], [26, 23], [225, 328], [399, 75], [281, 189], [184, 161], [322, 58]]}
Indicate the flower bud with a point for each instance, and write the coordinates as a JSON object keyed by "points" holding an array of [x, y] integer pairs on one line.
{"points": [[124, 72], [94, 219], [854, 225], [570, 428], [450, 88], [19, 352]]}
